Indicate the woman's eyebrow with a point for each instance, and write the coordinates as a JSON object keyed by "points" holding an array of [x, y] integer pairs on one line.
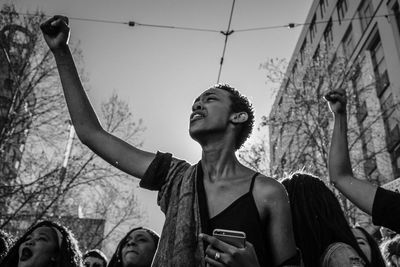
{"points": [[141, 235], [205, 95], [43, 234], [209, 93]]}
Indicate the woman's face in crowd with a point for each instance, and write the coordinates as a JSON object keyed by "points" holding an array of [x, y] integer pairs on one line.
{"points": [[93, 262], [362, 243], [138, 249], [39, 248]]}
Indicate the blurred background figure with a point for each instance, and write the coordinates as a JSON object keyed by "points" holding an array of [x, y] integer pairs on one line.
{"points": [[45, 244], [136, 249], [94, 258], [369, 246], [391, 251], [320, 227]]}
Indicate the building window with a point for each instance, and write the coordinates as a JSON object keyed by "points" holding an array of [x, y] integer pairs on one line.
{"points": [[362, 112], [313, 28], [348, 43], [322, 7], [303, 51], [380, 68], [283, 161], [396, 161], [365, 12], [332, 65], [316, 57], [273, 154], [394, 19], [393, 138], [367, 143], [328, 36], [396, 13], [341, 7], [374, 177], [391, 121], [370, 166], [388, 106]]}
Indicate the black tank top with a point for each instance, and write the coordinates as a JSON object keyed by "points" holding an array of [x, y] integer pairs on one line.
{"points": [[240, 215]]}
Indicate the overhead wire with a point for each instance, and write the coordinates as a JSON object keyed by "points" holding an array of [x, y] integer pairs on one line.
{"points": [[226, 33], [135, 23]]}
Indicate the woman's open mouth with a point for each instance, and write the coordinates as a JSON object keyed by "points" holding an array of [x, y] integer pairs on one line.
{"points": [[26, 254]]}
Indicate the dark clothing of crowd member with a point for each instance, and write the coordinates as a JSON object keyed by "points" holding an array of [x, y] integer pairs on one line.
{"points": [[386, 209], [45, 244], [382, 204], [221, 121]]}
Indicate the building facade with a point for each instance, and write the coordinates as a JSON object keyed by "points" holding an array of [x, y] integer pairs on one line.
{"points": [[350, 44]]}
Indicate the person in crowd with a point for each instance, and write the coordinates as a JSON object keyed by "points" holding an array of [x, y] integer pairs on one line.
{"points": [[391, 251], [45, 244], [382, 204], [6, 241], [322, 233], [94, 258], [369, 246], [218, 192], [136, 249]]}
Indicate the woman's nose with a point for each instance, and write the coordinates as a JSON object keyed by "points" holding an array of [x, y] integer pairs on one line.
{"points": [[197, 105], [29, 242], [131, 243]]}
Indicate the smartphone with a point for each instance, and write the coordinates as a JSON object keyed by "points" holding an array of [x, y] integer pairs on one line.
{"points": [[234, 238]]}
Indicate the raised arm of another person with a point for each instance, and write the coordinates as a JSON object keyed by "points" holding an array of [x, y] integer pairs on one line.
{"points": [[382, 204], [360, 192], [88, 128]]}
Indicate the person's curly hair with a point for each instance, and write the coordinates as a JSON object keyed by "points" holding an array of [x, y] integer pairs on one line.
{"points": [[116, 260], [240, 103], [6, 241], [69, 253], [389, 248]]}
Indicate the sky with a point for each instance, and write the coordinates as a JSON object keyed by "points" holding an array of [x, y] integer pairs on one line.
{"points": [[160, 71]]}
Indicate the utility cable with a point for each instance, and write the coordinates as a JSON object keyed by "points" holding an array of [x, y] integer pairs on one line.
{"points": [[226, 33], [135, 23]]}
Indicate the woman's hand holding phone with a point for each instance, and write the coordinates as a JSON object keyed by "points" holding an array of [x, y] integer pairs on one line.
{"points": [[229, 252]]}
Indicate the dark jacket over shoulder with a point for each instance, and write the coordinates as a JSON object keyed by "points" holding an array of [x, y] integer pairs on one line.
{"points": [[386, 209]]}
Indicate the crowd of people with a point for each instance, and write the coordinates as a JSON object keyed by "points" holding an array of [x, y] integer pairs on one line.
{"points": [[50, 244], [296, 221]]}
